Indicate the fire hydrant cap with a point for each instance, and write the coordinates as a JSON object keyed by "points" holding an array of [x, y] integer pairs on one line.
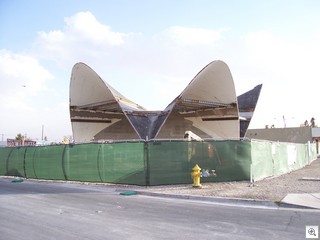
{"points": [[196, 168]]}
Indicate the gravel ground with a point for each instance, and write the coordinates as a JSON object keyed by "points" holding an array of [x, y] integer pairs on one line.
{"points": [[305, 180]]}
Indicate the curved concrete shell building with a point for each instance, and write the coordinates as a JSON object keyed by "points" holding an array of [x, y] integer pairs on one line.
{"points": [[208, 107]]}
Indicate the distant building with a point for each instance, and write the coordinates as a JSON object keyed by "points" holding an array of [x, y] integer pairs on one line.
{"points": [[315, 133], [294, 134], [20, 143]]}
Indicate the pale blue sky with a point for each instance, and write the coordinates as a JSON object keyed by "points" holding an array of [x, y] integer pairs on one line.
{"points": [[150, 50]]}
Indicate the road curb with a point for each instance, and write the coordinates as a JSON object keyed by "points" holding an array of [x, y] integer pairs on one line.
{"points": [[218, 200], [228, 201]]}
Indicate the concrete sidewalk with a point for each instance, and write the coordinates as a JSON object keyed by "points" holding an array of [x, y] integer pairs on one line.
{"points": [[309, 200]]}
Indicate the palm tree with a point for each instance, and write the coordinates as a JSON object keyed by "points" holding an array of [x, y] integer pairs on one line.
{"points": [[313, 123], [19, 137]]}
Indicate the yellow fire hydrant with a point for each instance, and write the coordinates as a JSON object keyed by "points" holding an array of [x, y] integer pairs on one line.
{"points": [[196, 174]]}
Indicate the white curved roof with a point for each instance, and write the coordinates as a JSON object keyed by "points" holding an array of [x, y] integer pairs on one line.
{"points": [[87, 87], [210, 103], [213, 83], [207, 106]]}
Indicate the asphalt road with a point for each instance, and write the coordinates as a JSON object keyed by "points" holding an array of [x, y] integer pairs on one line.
{"points": [[47, 210]]}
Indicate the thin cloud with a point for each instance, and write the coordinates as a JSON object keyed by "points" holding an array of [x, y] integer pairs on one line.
{"points": [[85, 26], [21, 76], [82, 37], [192, 36], [23, 83]]}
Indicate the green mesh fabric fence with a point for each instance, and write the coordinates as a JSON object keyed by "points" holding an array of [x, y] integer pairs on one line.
{"points": [[45, 162], [80, 162], [302, 157], [312, 151], [4, 155], [156, 162], [113, 163], [262, 160], [29, 165], [233, 160], [168, 163], [122, 163], [15, 162], [171, 162], [276, 158]]}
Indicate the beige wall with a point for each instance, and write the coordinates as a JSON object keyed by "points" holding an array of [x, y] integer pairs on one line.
{"points": [[295, 135]]}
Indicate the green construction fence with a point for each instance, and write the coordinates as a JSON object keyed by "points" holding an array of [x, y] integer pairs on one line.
{"points": [[277, 158], [151, 163]]}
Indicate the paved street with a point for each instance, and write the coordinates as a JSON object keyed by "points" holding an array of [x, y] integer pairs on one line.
{"points": [[47, 210]]}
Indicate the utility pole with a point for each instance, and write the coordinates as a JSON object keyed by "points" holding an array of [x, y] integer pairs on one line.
{"points": [[42, 132], [2, 134]]}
